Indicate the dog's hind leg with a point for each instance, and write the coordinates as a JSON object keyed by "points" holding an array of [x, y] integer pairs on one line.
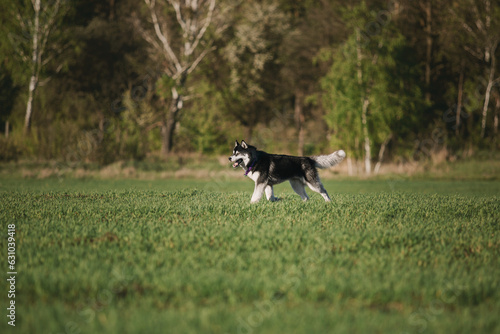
{"points": [[298, 187], [270, 194], [257, 192], [317, 186]]}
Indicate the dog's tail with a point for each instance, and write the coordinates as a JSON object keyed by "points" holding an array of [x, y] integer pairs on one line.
{"points": [[326, 161]]}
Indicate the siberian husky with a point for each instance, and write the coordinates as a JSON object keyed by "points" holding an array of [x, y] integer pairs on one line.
{"points": [[266, 170]]}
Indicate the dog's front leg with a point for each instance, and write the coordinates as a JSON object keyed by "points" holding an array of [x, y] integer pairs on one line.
{"points": [[270, 194], [257, 192]]}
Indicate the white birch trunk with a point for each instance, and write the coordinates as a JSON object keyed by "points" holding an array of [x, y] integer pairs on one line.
{"points": [[29, 104], [350, 170], [368, 155], [34, 68], [381, 154], [365, 104], [491, 80], [299, 119]]}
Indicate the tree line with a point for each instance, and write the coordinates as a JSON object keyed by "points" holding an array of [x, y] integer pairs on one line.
{"points": [[100, 81]]}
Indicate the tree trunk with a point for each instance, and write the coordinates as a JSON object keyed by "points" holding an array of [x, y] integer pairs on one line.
{"points": [[428, 52], [460, 97], [350, 170], [167, 132], [359, 58], [100, 132], [29, 104], [381, 154], [111, 10], [165, 142], [365, 104], [491, 80], [169, 123], [181, 59], [299, 119], [34, 69], [169, 135], [495, 119], [368, 156]]}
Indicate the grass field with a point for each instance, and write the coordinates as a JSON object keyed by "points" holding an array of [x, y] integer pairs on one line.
{"points": [[182, 256]]}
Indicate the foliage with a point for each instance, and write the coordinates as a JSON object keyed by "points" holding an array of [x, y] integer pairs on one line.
{"points": [[281, 73], [377, 68], [252, 55], [207, 127], [9, 150]]}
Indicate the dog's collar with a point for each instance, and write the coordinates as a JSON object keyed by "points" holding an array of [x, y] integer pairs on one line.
{"points": [[250, 167]]}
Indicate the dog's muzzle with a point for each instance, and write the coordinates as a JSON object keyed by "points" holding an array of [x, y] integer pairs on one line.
{"points": [[237, 163]]}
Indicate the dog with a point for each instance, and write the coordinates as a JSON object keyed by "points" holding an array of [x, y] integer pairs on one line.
{"points": [[266, 170]]}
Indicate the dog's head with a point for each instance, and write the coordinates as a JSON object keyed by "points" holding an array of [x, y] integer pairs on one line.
{"points": [[242, 154]]}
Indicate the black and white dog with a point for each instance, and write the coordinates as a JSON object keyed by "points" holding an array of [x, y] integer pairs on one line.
{"points": [[266, 170]]}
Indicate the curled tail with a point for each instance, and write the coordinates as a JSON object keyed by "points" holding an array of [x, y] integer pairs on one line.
{"points": [[326, 161]]}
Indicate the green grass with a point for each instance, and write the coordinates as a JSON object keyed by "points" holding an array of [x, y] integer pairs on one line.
{"points": [[170, 256]]}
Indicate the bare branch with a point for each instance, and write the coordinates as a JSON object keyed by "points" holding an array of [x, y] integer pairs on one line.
{"points": [[54, 54], [21, 22], [48, 27], [17, 47], [206, 24], [154, 43], [161, 36], [476, 54], [145, 34], [478, 22], [44, 82], [488, 14], [202, 55], [178, 14]]}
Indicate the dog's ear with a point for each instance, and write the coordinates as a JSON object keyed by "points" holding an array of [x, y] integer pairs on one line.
{"points": [[244, 144], [236, 143]]}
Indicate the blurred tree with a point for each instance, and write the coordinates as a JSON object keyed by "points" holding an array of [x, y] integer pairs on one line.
{"points": [[105, 60], [370, 86], [426, 7], [8, 91], [251, 53], [108, 66], [315, 25], [9, 88], [456, 69], [179, 34], [421, 22], [36, 40], [388, 73], [479, 20]]}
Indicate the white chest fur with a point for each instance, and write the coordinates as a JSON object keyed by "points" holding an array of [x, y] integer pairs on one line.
{"points": [[253, 175]]}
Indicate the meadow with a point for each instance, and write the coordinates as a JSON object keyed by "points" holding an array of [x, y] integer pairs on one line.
{"points": [[192, 256]]}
